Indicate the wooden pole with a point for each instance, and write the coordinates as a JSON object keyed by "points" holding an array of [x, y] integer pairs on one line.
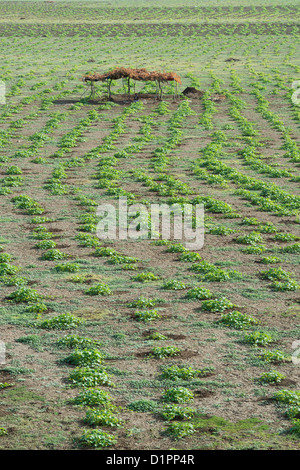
{"points": [[160, 89], [108, 86], [128, 86], [157, 89], [92, 90]]}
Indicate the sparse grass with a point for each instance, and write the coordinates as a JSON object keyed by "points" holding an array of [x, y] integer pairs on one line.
{"points": [[143, 406]]}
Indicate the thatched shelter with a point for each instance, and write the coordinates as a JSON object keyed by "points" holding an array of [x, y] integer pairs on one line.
{"points": [[132, 74]]}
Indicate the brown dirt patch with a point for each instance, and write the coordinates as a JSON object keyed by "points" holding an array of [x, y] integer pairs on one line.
{"points": [[203, 393]]}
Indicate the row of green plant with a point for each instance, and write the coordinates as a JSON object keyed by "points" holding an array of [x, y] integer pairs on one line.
{"points": [[271, 198], [10, 110], [88, 374], [290, 145], [23, 293]]}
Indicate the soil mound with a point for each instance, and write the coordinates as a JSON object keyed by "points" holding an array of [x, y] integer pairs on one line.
{"points": [[192, 92], [232, 59]]}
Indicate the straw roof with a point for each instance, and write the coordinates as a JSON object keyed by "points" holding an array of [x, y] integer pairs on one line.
{"points": [[135, 74]]}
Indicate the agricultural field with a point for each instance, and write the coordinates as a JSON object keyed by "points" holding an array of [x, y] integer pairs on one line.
{"points": [[126, 344]]}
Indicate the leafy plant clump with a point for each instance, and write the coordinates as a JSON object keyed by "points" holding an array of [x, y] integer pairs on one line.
{"points": [[103, 417], [237, 320], [41, 233], [270, 260], [209, 272], [144, 277], [89, 377], [290, 400], [190, 256], [143, 302], [180, 430], [76, 342], [3, 431], [61, 322], [295, 429], [99, 289], [147, 315], [104, 251], [271, 377], [268, 227], [217, 275], [92, 397], [184, 373], [258, 338], [5, 385], [24, 295], [5, 257], [199, 293], [67, 267], [176, 248], [177, 395], [250, 221], [97, 439], [11, 280], [250, 239], [53, 255], [156, 336], [294, 249], [275, 274], [254, 249], [274, 356], [120, 259], [46, 245], [7, 269], [28, 204], [164, 351], [288, 397], [87, 240], [85, 357], [38, 308], [40, 220], [285, 237], [173, 284], [288, 285], [171, 412], [217, 305]]}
